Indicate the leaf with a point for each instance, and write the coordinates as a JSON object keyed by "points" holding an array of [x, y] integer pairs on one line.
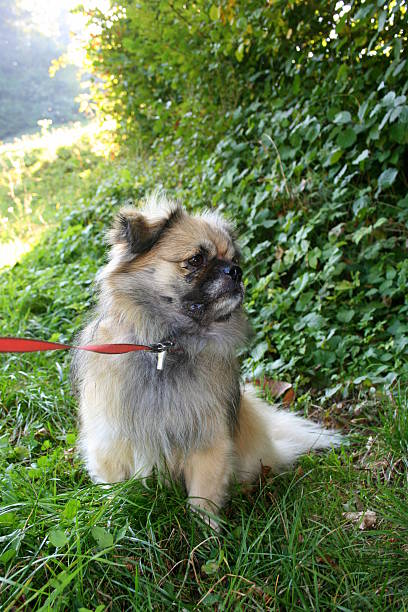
{"points": [[71, 508], [213, 565], [121, 532], [389, 98], [345, 316], [102, 537], [266, 140], [313, 132], [386, 179], [342, 118], [277, 388], [70, 439], [57, 538], [215, 12], [7, 518], [300, 283], [313, 257], [4, 442], [210, 567], [259, 351], [333, 390], [346, 138], [239, 53], [335, 156], [363, 520], [342, 73], [362, 109], [261, 247], [399, 131], [358, 235], [381, 20], [7, 555], [381, 221], [363, 155]]}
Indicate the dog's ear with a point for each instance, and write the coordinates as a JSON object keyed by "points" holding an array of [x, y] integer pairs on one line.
{"points": [[137, 231]]}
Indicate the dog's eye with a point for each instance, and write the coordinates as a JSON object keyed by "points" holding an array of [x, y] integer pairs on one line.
{"points": [[196, 261]]}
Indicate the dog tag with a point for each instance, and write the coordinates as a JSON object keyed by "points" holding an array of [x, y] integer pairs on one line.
{"points": [[160, 360]]}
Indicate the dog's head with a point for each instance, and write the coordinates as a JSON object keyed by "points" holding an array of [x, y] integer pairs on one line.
{"points": [[175, 265]]}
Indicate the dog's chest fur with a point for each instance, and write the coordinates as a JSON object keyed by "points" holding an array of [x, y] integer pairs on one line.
{"points": [[182, 406], [178, 409]]}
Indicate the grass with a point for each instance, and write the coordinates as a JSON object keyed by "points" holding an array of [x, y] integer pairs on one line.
{"points": [[65, 544], [42, 177]]}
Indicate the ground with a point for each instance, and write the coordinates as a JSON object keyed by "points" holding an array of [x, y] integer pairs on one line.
{"points": [[298, 541]]}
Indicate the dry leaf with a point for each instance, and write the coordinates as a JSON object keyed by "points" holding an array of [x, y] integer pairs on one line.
{"points": [[327, 560], [277, 388], [364, 520]]}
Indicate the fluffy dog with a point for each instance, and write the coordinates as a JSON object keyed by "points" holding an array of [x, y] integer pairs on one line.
{"points": [[175, 277]]}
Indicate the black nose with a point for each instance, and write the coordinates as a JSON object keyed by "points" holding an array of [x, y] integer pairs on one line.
{"points": [[234, 272]]}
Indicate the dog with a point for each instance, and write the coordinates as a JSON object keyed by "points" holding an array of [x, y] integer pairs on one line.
{"points": [[175, 278]]}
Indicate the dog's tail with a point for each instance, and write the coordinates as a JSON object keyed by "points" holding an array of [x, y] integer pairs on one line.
{"points": [[268, 436]]}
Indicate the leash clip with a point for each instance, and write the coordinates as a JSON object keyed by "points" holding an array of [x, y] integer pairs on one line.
{"points": [[161, 349]]}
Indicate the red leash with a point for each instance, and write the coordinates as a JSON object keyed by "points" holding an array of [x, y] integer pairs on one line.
{"points": [[24, 345]]}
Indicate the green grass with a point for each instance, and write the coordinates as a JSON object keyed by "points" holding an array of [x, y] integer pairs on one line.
{"points": [[42, 178], [67, 544]]}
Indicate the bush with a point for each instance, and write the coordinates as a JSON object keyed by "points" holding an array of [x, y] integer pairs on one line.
{"points": [[292, 116]]}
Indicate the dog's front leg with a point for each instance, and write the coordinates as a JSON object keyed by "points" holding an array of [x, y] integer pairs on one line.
{"points": [[207, 474]]}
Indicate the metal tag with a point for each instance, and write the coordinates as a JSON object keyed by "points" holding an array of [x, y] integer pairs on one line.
{"points": [[160, 360]]}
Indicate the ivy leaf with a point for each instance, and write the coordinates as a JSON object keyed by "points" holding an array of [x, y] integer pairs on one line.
{"points": [[363, 155], [360, 233], [389, 98], [386, 179], [259, 351], [345, 315], [342, 118], [346, 138], [362, 109], [335, 156]]}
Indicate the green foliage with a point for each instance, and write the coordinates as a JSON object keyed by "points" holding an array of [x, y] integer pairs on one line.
{"points": [[68, 544], [293, 118], [41, 175]]}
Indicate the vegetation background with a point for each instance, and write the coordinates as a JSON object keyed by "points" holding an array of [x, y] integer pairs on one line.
{"points": [[291, 117]]}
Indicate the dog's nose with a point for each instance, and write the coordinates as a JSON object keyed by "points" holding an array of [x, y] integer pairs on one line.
{"points": [[234, 272]]}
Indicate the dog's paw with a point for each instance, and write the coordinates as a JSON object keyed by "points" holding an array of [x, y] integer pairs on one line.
{"points": [[206, 515]]}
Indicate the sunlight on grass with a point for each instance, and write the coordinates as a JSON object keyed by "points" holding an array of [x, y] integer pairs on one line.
{"points": [[11, 252], [50, 140], [40, 175]]}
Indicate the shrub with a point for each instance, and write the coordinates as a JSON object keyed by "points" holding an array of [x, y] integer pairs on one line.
{"points": [[292, 116]]}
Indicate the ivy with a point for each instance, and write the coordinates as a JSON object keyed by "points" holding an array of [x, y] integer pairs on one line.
{"points": [[292, 117]]}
